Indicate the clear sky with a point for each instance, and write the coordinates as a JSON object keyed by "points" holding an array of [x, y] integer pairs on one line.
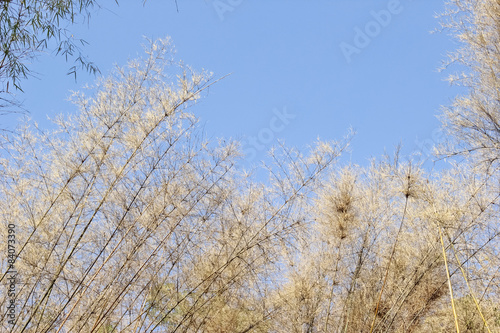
{"points": [[300, 69]]}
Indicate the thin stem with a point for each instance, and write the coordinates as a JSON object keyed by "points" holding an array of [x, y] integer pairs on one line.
{"points": [[449, 280], [389, 264]]}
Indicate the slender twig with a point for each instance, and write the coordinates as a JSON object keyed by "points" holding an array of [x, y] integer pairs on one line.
{"points": [[449, 280], [407, 194]]}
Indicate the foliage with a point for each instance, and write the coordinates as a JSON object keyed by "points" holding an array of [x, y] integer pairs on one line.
{"points": [[474, 119], [126, 200], [128, 220], [28, 27]]}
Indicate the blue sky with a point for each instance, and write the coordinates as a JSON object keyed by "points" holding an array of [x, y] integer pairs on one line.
{"points": [[291, 78]]}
